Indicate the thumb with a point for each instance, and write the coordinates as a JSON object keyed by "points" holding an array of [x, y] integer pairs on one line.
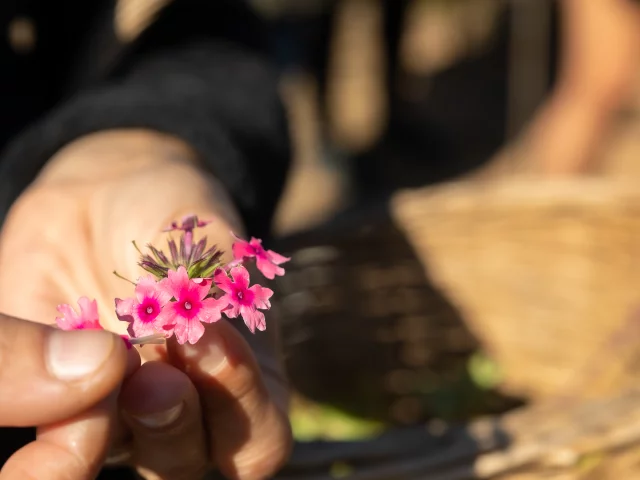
{"points": [[71, 449], [48, 375]]}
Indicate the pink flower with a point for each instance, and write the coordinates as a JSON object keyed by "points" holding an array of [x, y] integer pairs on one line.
{"points": [[191, 307], [87, 320], [242, 299], [189, 224], [145, 312], [267, 261]]}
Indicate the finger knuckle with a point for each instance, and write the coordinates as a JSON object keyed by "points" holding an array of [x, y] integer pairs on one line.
{"points": [[269, 452], [81, 467], [10, 471], [73, 463], [29, 206], [245, 384]]}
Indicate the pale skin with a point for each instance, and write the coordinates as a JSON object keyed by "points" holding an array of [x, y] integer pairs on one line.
{"points": [[62, 239]]}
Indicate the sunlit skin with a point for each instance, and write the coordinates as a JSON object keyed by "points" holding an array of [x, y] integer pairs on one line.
{"points": [[596, 79], [62, 240]]}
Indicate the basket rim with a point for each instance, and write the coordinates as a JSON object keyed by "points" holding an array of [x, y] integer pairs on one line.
{"points": [[517, 193]]}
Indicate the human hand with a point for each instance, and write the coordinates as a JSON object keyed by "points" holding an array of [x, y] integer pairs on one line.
{"points": [[65, 384], [100, 193]]}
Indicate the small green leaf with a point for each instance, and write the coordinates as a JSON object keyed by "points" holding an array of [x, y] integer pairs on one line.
{"points": [[313, 421], [484, 372]]}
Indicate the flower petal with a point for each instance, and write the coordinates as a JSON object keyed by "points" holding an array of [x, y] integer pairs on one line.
{"points": [[276, 257], [88, 310], [262, 296], [181, 332], [162, 296], [241, 249], [211, 310], [188, 331], [240, 277], [256, 243], [86, 320], [196, 331], [253, 319], [176, 283], [139, 329], [146, 287], [233, 309], [202, 223], [222, 281], [69, 319], [202, 286], [124, 309], [169, 318], [165, 321], [268, 269], [188, 222]]}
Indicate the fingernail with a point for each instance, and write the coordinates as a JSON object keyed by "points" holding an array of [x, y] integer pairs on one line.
{"points": [[208, 356], [161, 419], [75, 355]]}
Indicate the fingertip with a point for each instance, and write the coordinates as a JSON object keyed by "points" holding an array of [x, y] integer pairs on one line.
{"points": [[54, 374], [154, 387], [248, 426], [162, 409], [77, 356]]}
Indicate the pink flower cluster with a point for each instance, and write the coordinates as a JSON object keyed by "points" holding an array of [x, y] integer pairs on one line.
{"points": [[187, 289], [87, 319]]}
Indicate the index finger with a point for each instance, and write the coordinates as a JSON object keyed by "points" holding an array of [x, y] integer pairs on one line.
{"points": [[249, 431], [48, 375]]}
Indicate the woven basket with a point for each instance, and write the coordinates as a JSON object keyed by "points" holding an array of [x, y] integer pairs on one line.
{"points": [[542, 275], [365, 329], [545, 273]]}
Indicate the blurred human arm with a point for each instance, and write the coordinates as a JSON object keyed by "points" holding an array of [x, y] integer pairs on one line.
{"points": [[185, 119], [600, 60]]}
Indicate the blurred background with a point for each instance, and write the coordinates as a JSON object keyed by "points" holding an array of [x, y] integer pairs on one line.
{"points": [[386, 94], [461, 214]]}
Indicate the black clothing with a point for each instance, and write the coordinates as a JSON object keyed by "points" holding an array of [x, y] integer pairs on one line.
{"points": [[199, 72]]}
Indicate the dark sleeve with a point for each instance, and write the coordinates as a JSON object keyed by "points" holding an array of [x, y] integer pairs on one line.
{"points": [[199, 73]]}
